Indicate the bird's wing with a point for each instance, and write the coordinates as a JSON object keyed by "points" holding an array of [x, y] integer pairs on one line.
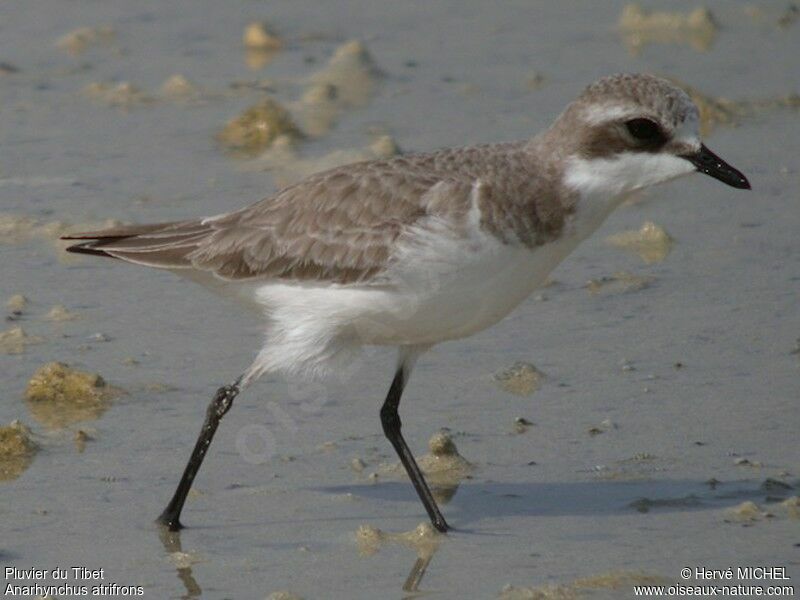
{"points": [[339, 226]]}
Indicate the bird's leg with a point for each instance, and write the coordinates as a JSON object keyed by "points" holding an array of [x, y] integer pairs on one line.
{"points": [[391, 427], [220, 404]]}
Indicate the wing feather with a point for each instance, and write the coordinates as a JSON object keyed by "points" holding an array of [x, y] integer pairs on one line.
{"points": [[338, 226]]}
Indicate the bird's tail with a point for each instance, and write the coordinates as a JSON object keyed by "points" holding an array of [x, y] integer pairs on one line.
{"points": [[164, 245]]}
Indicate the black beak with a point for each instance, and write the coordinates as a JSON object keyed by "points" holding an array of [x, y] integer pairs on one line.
{"points": [[709, 163]]}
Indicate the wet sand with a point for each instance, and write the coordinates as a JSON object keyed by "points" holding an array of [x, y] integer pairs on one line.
{"points": [[651, 391]]}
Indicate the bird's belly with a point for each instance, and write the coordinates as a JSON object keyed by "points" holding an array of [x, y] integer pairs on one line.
{"points": [[437, 293], [470, 293]]}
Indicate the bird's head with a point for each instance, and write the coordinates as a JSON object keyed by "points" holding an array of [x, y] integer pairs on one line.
{"points": [[627, 132]]}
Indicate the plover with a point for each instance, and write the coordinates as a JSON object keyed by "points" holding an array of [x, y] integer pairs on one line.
{"points": [[420, 248]]}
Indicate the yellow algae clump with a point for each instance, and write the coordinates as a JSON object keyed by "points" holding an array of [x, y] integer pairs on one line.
{"points": [[444, 467], [423, 538], [16, 450], [444, 464], [369, 539], [258, 127], [177, 87], [59, 313], [639, 28], [15, 340], [521, 378], [77, 41], [260, 36], [16, 304], [56, 382], [384, 146], [59, 396], [745, 512], [792, 506], [651, 242], [358, 465], [619, 283], [352, 71], [347, 81]]}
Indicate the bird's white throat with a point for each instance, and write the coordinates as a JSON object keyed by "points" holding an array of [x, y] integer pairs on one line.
{"points": [[623, 173], [603, 183]]}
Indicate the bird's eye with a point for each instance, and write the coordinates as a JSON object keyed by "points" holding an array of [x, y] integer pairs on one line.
{"points": [[644, 130]]}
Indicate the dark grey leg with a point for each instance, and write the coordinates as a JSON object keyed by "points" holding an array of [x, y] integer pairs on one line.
{"points": [[391, 427], [220, 404]]}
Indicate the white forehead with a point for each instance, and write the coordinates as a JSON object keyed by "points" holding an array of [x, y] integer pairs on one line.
{"points": [[606, 112], [674, 117]]}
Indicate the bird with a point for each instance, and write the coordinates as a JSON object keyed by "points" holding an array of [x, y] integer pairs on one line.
{"points": [[419, 248]]}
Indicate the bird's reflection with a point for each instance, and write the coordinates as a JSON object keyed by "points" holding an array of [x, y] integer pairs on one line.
{"points": [[423, 539], [181, 560], [444, 469], [417, 572]]}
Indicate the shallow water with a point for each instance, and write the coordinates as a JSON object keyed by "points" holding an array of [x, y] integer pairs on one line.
{"points": [[277, 504]]}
